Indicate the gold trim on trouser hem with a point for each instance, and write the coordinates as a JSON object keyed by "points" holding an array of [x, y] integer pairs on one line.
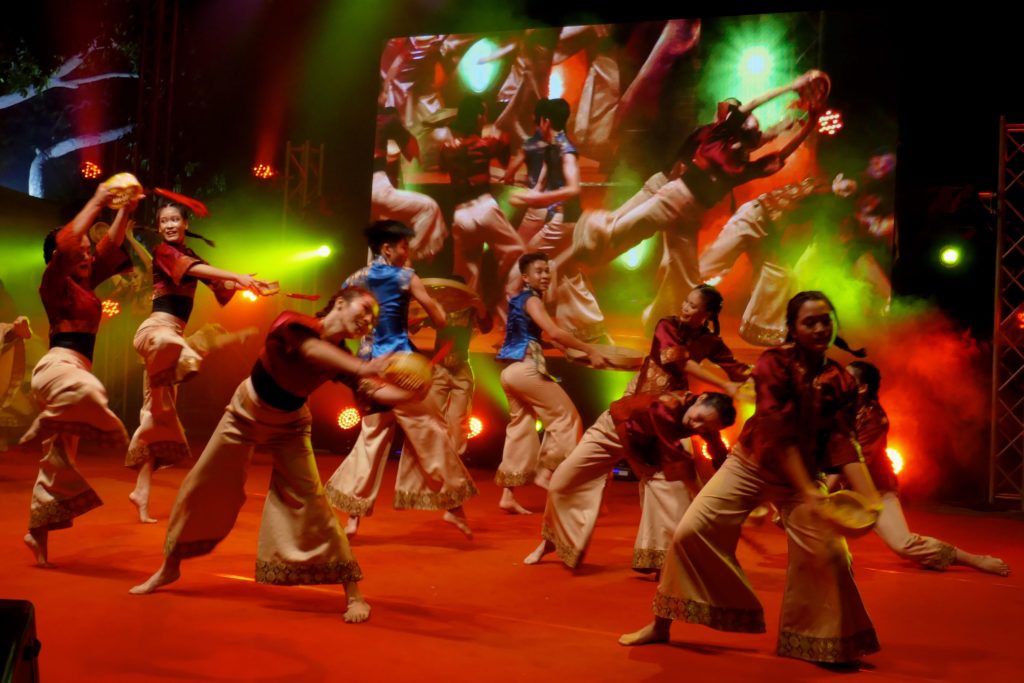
{"points": [[572, 557], [161, 454], [351, 505], [95, 438], [435, 500], [732, 619], [836, 650], [286, 574], [648, 558], [57, 514], [512, 479]]}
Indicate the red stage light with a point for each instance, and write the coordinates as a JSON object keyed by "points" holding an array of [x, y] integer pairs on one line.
{"points": [[264, 171], [1020, 319], [476, 427], [830, 123], [89, 170], [704, 448], [111, 308], [896, 458], [349, 418]]}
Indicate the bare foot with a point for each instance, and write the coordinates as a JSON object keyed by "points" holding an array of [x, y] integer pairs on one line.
{"points": [[357, 610], [543, 479], [509, 504], [37, 544], [458, 519], [353, 526], [539, 552], [143, 506], [169, 572], [654, 632], [984, 563]]}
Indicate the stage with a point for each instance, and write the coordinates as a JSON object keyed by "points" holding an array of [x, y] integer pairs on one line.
{"points": [[447, 608]]}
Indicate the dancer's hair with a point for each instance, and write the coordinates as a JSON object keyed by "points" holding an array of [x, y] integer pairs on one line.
{"points": [[348, 295], [867, 374], [467, 120], [722, 405], [526, 259], [186, 216], [713, 300]]}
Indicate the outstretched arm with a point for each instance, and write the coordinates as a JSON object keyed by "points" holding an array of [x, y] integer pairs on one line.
{"points": [[535, 309]]}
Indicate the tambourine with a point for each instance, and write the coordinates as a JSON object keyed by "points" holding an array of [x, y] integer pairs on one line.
{"points": [[850, 513], [124, 188], [451, 294], [408, 370], [98, 231], [618, 357]]}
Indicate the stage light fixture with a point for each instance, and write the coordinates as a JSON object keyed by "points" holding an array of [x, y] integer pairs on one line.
{"points": [[478, 77], [349, 418], [111, 308], [538, 425], [264, 171], [476, 427], [637, 256], [950, 256], [896, 458], [756, 62], [324, 251], [249, 296], [89, 170], [830, 123]]}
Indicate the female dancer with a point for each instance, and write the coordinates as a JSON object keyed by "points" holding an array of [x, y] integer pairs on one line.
{"points": [[803, 424], [74, 402], [170, 359]]}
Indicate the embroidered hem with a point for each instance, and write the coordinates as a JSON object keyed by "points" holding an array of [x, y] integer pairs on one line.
{"points": [[566, 553], [435, 500], [648, 558], [288, 574], [760, 335], [510, 480], [836, 650], [733, 619], [57, 514], [90, 435], [161, 454], [351, 505]]}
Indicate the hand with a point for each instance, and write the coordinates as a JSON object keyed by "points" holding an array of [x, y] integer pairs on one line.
{"points": [[102, 195], [597, 360], [249, 282], [375, 366], [21, 327]]}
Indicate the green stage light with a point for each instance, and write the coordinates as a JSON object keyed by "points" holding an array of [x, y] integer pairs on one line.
{"points": [[637, 256], [756, 62], [950, 256], [324, 251], [478, 77]]}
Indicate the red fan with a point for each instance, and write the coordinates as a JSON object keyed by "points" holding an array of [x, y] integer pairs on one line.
{"points": [[196, 206]]}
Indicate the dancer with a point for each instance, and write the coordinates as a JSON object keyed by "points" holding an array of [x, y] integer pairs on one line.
{"points": [[872, 432], [647, 430], [16, 407], [478, 218], [679, 346], [803, 424], [453, 385], [413, 208], [430, 474], [556, 194], [300, 538], [170, 359], [713, 161], [74, 402], [531, 392]]}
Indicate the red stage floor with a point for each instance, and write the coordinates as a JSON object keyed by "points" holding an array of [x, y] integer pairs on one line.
{"points": [[449, 609]]}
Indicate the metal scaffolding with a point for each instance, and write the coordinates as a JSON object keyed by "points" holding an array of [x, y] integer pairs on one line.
{"points": [[1006, 454]]}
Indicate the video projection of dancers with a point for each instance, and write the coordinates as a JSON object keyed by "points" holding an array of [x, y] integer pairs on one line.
{"points": [[643, 159]]}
